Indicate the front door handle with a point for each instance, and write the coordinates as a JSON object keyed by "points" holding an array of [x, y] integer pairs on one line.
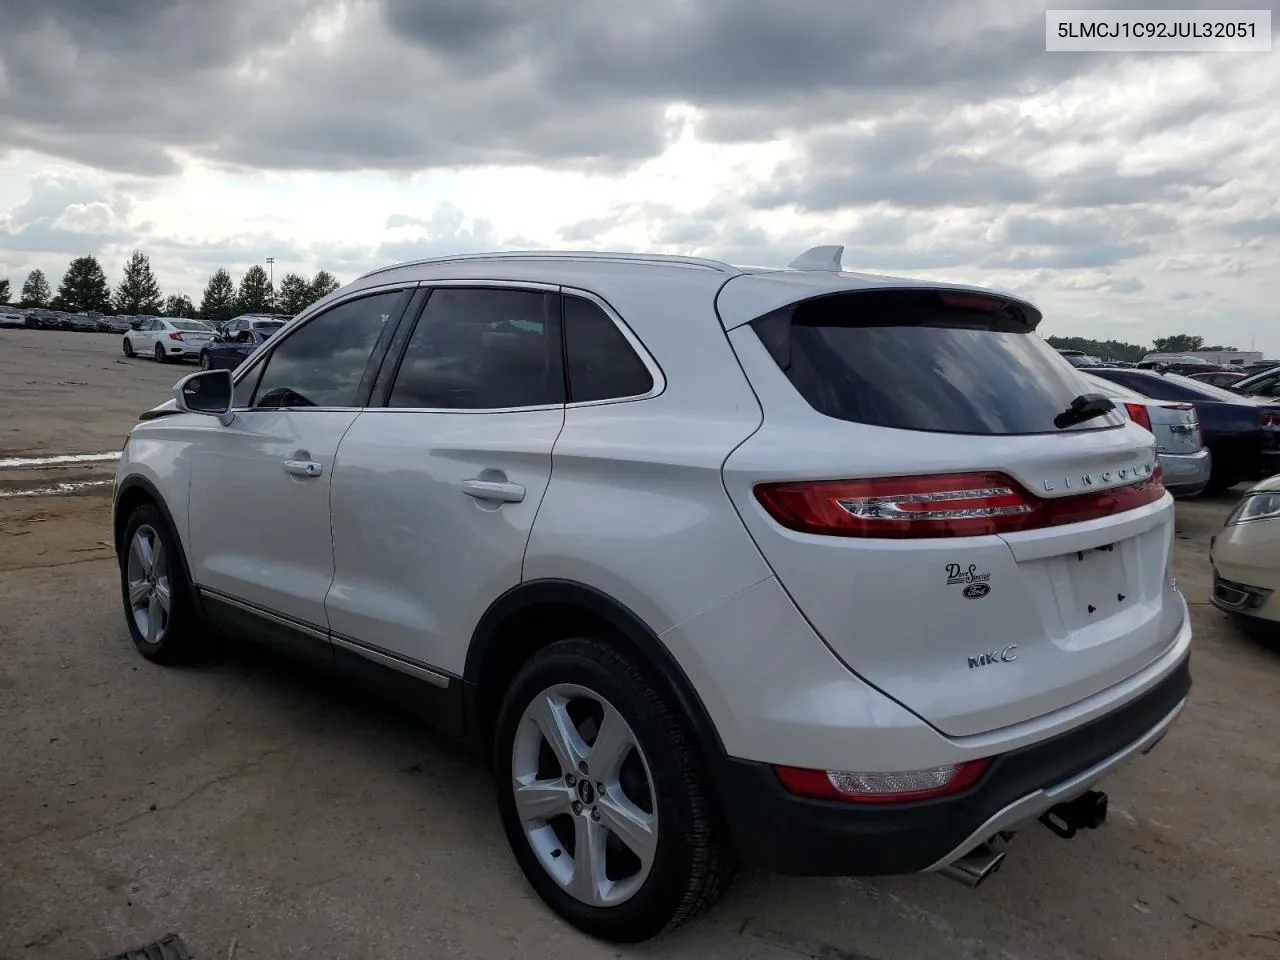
{"points": [[498, 490], [303, 468]]}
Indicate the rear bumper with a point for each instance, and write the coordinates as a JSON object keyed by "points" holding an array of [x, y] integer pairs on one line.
{"points": [[779, 831], [1186, 474]]}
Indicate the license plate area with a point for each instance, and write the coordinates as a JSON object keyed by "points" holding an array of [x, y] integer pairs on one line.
{"points": [[1096, 586]]}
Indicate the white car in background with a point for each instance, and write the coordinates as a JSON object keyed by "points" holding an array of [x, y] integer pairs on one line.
{"points": [[167, 339], [1180, 445]]}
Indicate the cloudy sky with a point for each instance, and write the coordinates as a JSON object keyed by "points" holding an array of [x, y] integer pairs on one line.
{"points": [[1130, 197]]}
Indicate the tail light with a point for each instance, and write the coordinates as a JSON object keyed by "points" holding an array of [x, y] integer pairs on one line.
{"points": [[176, 335], [1139, 414], [1270, 420], [882, 787], [956, 505]]}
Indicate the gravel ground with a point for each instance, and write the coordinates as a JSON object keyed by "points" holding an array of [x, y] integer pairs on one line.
{"points": [[259, 811]]}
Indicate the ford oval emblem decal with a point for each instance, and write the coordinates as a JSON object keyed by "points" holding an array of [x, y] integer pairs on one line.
{"points": [[976, 591]]}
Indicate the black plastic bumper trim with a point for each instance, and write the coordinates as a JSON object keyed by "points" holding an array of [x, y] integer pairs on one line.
{"points": [[779, 831]]}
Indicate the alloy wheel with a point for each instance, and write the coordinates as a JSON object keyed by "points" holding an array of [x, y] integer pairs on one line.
{"points": [[585, 795], [147, 573]]}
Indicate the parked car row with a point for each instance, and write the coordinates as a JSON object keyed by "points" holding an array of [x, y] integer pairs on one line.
{"points": [[220, 347], [40, 318], [1242, 433]]}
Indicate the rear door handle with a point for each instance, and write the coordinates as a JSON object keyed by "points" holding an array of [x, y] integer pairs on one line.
{"points": [[303, 468], [493, 490]]}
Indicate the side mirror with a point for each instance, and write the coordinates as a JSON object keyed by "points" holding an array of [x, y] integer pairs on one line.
{"points": [[209, 392]]}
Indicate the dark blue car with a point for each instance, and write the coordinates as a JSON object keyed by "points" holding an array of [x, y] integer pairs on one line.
{"points": [[229, 348]]}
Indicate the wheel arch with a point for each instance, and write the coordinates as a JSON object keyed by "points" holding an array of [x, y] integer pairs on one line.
{"points": [[132, 493], [535, 614]]}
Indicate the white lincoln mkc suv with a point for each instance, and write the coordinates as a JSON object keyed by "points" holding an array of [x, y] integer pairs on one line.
{"points": [[826, 573]]}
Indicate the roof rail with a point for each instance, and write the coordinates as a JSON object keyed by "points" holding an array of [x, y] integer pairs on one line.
{"points": [[584, 255]]}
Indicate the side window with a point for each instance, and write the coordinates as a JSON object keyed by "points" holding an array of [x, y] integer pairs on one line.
{"points": [[482, 349], [602, 364], [323, 362]]}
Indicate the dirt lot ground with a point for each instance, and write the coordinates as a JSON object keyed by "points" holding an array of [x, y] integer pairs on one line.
{"points": [[260, 812]]}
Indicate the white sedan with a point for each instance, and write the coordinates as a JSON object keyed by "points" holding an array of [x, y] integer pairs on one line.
{"points": [[167, 339]]}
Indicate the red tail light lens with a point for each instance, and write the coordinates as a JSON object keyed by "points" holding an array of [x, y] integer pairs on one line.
{"points": [[882, 787], [175, 336], [1270, 420], [1139, 414], [957, 505]]}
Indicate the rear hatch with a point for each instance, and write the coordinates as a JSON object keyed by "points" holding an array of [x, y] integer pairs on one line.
{"points": [[921, 488]]}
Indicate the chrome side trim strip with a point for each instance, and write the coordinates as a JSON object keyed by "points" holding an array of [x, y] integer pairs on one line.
{"points": [[413, 669], [384, 658], [1034, 804], [318, 633]]}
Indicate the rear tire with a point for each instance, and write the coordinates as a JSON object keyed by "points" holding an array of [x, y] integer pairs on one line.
{"points": [[159, 603], [160, 357], [656, 792], [128, 348]]}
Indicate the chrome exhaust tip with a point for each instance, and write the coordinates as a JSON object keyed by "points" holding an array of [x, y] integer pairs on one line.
{"points": [[975, 866]]}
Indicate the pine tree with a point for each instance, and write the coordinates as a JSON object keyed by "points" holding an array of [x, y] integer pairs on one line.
{"points": [[35, 291], [4, 290], [256, 295], [323, 285], [294, 295], [179, 305], [219, 300], [84, 286], [138, 291]]}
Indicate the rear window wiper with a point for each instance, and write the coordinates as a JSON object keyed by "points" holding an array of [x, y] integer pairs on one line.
{"points": [[1084, 407]]}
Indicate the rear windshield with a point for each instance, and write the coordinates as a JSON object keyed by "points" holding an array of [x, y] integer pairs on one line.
{"points": [[925, 360], [1112, 390], [193, 325]]}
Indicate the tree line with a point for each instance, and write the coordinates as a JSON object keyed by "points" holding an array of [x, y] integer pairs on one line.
{"points": [[84, 286], [1133, 352]]}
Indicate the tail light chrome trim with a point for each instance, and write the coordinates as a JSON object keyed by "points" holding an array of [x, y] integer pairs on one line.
{"points": [[949, 505]]}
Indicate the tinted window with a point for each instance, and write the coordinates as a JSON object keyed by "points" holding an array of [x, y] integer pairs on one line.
{"points": [[481, 350], [941, 362], [190, 325], [322, 363], [602, 364]]}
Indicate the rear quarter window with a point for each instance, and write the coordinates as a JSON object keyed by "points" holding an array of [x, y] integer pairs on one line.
{"points": [[924, 360]]}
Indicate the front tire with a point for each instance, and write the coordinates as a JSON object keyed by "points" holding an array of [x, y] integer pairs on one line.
{"points": [[128, 348], [592, 755], [160, 357], [159, 604]]}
